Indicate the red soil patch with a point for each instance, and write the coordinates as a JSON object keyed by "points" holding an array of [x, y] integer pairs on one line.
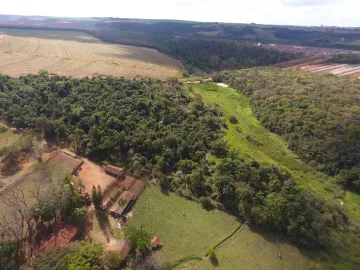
{"points": [[93, 175]]}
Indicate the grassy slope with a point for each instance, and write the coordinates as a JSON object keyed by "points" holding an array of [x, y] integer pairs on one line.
{"points": [[252, 250], [184, 228], [270, 148], [192, 234]]}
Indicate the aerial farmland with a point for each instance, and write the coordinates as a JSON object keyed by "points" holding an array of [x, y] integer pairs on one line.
{"points": [[77, 54]]}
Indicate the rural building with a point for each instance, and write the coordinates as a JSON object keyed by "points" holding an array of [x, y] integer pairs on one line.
{"points": [[61, 237], [136, 188], [111, 198], [113, 170], [155, 242], [123, 203], [67, 161]]}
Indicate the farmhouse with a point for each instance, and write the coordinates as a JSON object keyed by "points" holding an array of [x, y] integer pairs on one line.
{"points": [[63, 235], [124, 202], [113, 170]]}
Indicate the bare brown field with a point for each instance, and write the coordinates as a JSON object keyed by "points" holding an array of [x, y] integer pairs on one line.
{"points": [[77, 54], [336, 69]]}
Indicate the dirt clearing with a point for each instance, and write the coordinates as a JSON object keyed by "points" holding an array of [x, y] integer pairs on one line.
{"points": [[93, 175]]}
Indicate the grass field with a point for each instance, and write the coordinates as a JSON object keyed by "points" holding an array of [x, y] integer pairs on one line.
{"points": [[249, 249], [191, 234], [78, 54], [184, 228]]}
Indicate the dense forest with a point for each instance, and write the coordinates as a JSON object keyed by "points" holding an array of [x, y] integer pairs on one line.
{"points": [[352, 59], [198, 53], [318, 114], [156, 130], [305, 36]]}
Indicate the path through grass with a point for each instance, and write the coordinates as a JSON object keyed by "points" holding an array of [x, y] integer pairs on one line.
{"points": [[249, 249]]}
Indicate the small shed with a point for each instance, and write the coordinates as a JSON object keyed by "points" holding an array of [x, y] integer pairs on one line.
{"points": [[115, 171], [119, 208], [155, 242]]}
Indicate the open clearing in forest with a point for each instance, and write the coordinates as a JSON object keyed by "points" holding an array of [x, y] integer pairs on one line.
{"points": [[78, 54], [249, 138], [186, 229], [92, 174]]}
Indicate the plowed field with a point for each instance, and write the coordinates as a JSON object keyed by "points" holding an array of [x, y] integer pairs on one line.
{"points": [[78, 54]]}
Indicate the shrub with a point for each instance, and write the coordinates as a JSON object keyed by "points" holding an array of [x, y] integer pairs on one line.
{"points": [[233, 120], [206, 203], [3, 129]]}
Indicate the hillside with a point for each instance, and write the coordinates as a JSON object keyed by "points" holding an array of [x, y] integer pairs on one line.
{"points": [[155, 130], [78, 54]]}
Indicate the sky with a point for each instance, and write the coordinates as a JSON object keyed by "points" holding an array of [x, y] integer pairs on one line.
{"points": [[284, 12]]}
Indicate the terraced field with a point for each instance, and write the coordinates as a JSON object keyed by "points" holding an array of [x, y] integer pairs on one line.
{"points": [[78, 54]]}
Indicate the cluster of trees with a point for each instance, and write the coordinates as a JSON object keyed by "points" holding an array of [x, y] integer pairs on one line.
{"points": [[351, 58], [90, 256], [198, 53], [7, 249], [97, 196], [214, 55], [77, 256], [318, 114], [10, 155], [140, 239], [146, 125], [317, 38]]}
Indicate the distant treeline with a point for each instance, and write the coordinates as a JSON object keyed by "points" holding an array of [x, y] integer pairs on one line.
{"points": [[317, 37], [353, 59], [198, 53]]}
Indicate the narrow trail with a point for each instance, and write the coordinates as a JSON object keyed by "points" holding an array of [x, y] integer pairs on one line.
{"points": [[196, 258]]}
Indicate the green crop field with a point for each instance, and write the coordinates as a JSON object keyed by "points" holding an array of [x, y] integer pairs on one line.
{"points": [[78, 54]]}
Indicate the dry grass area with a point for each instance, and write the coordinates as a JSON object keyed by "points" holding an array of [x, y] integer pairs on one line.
{"points": [[77, 54]]}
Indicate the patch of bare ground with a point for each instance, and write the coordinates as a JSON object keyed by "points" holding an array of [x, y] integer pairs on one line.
{"points": [[92, 174]]}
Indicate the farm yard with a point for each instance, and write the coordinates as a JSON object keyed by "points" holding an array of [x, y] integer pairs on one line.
{"points": [[187, 230], [77, 54]]}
